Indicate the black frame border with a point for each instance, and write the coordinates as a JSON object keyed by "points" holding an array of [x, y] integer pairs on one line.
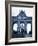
{"points": [[6, 32]]}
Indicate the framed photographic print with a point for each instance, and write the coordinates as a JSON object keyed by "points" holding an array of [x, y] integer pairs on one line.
{"points": [[21, 22]]}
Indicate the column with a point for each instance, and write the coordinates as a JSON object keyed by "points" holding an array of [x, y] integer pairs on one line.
{"points": [[18, 29], [25, 27]]}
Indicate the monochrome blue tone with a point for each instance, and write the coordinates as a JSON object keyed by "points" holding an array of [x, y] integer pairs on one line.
{"points": [[21, 25]]}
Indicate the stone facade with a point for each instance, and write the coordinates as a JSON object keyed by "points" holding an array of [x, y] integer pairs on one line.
{"points": [[22, 20]]}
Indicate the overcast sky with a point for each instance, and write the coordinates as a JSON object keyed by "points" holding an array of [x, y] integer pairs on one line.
{"points": [[28, 11]]}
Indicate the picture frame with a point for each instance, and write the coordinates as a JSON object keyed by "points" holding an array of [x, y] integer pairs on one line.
{"points": [[20, 13]]}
